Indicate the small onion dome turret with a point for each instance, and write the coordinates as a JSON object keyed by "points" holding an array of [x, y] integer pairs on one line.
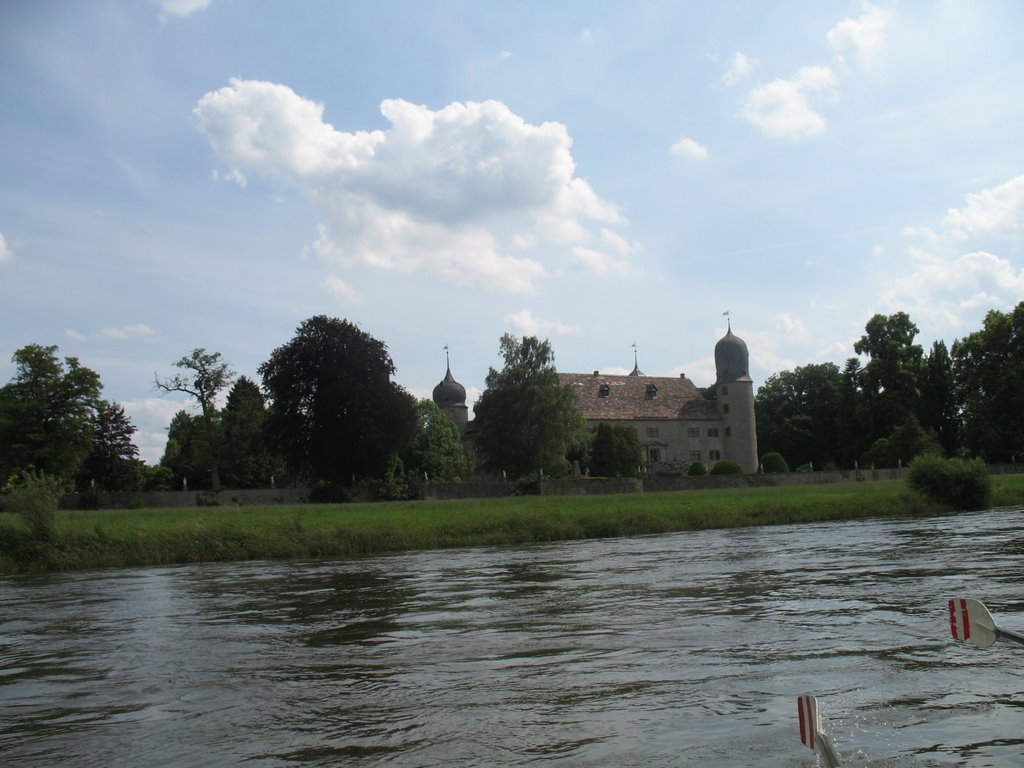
{"points": [[449, 393], [732, 361]]}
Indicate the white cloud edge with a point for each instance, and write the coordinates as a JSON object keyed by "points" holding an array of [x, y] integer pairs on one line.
{"points": [[180, 8], [509, 186], [690, 148], [524, 323]]}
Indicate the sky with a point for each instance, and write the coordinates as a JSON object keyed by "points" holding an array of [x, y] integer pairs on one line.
{"points": [[178, 174]]}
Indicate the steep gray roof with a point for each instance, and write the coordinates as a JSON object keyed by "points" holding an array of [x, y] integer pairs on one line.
{"points": [[612, 398]]}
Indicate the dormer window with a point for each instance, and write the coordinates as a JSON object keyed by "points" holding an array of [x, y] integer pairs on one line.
{"points": [[604, 390], [652, 391]]}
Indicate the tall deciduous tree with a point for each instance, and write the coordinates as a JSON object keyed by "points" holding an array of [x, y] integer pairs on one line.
{"points": [[46, 413], [616, 452], [854, 436], [526, 418], [247, 459], [113, 462], [798, 414], [204, 375], [890, 380], [989, 369], [187, 453], [436, 450], [938, 398], [335, 411]]}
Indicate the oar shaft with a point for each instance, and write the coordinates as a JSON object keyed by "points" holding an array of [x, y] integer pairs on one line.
{"points": [[1009, 634]]}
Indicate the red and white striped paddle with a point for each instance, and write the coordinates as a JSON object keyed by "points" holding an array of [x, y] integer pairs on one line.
{"points": [[812, 734], [969, 620]]}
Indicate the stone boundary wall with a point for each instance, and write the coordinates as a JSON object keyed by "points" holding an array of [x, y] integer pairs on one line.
{"points": [[171, 499], [484, 489]]}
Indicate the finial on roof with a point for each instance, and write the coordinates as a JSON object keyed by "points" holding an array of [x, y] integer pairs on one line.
{"points": [[728, 321], [636, 364]]}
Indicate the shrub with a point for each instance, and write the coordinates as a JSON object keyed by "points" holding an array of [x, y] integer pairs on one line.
{"points": [[773, 462], [726, 467], [697, 469], [958, 483], [35, 500]]}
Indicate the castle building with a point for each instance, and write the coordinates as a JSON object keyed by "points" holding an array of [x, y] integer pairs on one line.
{"points": [[676, 424]]}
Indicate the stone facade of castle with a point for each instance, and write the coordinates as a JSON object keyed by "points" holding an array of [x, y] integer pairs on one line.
{"points": [[676, 424]]}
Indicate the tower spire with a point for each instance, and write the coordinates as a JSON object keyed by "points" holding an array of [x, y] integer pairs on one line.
{"points": [[636, 363]]}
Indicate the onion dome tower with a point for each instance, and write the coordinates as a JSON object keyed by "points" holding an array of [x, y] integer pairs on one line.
{"points": [[450, 397], [734, 390]]}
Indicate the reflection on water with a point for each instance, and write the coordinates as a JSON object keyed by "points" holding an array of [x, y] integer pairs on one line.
{"points": [[664, 650]]}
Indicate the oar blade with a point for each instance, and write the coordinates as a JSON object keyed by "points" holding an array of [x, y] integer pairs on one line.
{"points": [[810, 720], [812, 734], [970, 621]]}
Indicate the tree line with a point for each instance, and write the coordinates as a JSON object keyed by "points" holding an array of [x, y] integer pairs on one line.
{"points": [[967, 401], [328, 413]]}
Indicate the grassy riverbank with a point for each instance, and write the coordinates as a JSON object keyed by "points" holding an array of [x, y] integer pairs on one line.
{"points": [[106, 538]]}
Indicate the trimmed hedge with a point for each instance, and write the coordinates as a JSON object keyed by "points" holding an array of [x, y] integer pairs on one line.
{"points": [[773, 463], [697, 469], [726, 467]]}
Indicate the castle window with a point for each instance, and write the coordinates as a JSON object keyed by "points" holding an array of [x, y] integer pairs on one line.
{"points": [[693, 432], [652, 431], [714, 455], [712, 431], [728, 431], [654, 455], [725, 390], [725, 408], [694, 455]]}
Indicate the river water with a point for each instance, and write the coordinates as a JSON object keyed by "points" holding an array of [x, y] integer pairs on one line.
{"points": [[682, 649]]}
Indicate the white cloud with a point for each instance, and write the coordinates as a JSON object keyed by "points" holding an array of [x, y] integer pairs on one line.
{"points": [[5, 251], [862, 37], [948, 293], [180, 8], [995, 211], [450, 191], [687, 147], [740, 67], [790, 108], [523, 322], [782, 108], [792, 329], [948, 286], [136, 331], [611, 254], [341, 289]]}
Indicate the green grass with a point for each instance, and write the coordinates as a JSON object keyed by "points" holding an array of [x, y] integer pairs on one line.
{"points": [[106, 538]]}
